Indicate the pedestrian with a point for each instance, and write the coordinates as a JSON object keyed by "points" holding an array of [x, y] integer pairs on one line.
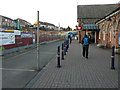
{"points": [[85, 44], [89, 36], [70, 38]]}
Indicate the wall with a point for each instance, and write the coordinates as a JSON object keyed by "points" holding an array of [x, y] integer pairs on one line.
{"points": [[114, 27], [26, 39]]}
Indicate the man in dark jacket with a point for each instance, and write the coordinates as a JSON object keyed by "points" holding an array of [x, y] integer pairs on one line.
{"points": [[85, 44], [70, 38]]}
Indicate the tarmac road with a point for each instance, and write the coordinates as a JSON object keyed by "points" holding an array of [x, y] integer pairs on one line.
{"points": [[19, 68]]}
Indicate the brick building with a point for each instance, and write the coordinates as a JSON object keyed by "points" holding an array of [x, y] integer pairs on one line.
{"points": [[24, 24], [87, 15], [46, 25], [109, 33], [6, 23]]}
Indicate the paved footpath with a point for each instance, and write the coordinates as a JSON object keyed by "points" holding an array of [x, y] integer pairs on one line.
{"points": [[78, 72]]}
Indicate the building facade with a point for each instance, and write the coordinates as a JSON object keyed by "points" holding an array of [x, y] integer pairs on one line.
{"points": [[90, 14], [109, 33], [45, 25], [24, 24], [6, 23]]}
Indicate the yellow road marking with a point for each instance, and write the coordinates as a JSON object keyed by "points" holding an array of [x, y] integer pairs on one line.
{"points": [[17, 69]]}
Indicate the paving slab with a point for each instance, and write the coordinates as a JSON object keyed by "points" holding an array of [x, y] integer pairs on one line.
{"points": [[79, 72]]}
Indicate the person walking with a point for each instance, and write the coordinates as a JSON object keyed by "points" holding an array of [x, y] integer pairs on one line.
{"points": [[85, 44], [70, 38], [89, 36]]}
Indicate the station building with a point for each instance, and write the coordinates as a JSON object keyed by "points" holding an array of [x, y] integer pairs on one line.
{"points": [[87, 15], [109, 33]]}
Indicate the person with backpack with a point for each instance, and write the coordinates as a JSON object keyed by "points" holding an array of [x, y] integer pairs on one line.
{"points": [[85, 44]]}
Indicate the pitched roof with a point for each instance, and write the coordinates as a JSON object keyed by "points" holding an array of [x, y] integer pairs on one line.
{"points": [[6, 17], [116, 11], [24, 21], [91, 13]]}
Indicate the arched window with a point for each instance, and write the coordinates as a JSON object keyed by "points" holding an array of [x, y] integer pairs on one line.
{"points": [[101, 27], [110, 33], [117, 25], [99, 34], [107, 26], [103, 34]]}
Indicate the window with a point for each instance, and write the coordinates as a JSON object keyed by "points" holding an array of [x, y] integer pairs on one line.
{"points": [[99, 34], [110, 34], [103, 34], [6, 20]]}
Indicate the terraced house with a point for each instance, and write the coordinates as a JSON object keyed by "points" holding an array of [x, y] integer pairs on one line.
{"points": [[6, 23]]}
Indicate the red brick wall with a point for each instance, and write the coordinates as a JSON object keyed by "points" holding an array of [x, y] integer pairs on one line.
{"points": [[114, 41]]}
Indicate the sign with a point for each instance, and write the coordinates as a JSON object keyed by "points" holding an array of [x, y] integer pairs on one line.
{"points": [[16, 32], [7, 38], [119, 39], [79, 28], [26, 35]]}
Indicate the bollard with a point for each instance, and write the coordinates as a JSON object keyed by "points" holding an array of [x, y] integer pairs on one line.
{"points": [[112, 61], [64, 48], [62, 51], [68, 43], [58, 57]]}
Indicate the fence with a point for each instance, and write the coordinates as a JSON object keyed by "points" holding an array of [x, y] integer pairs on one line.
{"points": [[9, 41]]}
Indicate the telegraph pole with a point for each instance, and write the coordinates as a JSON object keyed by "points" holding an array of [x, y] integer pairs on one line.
{"points": [[38, 65]]}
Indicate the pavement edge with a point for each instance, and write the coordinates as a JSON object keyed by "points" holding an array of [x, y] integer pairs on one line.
{"points": [[32, 82]]}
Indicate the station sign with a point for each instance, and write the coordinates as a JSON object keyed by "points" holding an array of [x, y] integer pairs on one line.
{"points": [[79, 28]]}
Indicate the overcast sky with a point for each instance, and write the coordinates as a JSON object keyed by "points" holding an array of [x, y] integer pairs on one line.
{"points": [[52, 11]]}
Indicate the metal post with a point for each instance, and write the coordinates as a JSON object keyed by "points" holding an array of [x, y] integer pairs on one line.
{"points": [[38, 66], [62, 51], [58, 57], [112, 62]]}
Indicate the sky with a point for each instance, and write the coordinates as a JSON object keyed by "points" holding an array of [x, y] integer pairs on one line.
{"points": [[63, 12]]}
